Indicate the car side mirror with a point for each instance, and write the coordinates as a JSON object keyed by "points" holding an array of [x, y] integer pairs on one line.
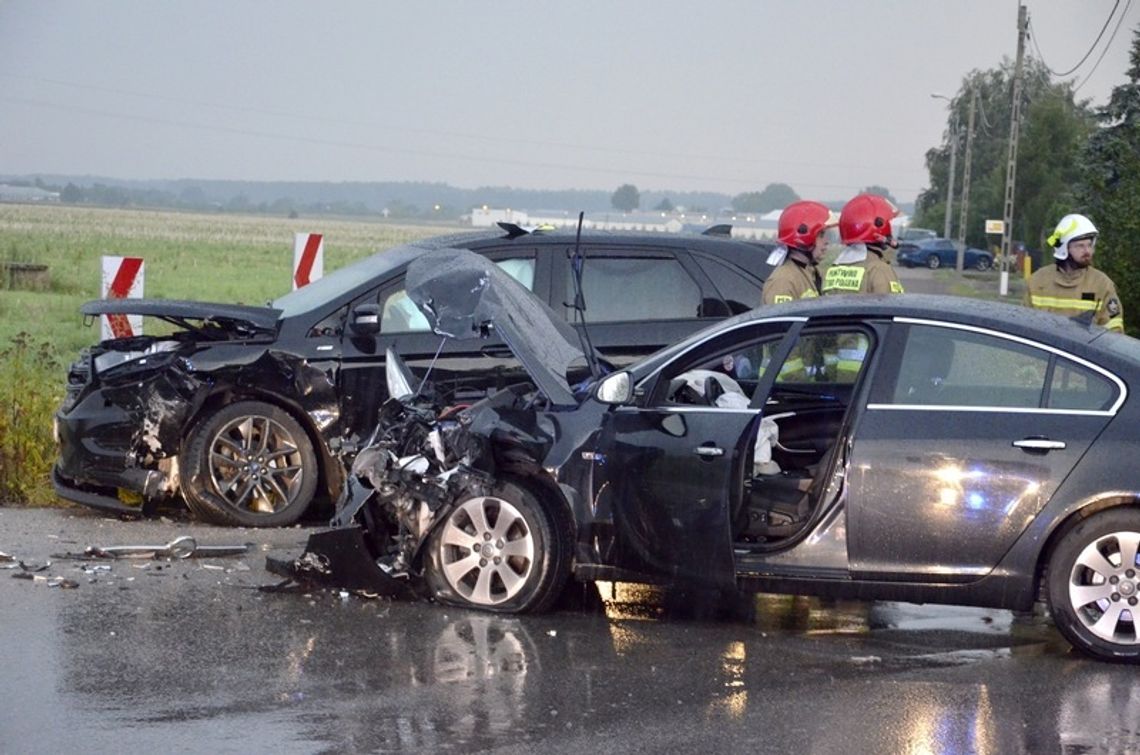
{"points": [[365, 320], [615, 389]]}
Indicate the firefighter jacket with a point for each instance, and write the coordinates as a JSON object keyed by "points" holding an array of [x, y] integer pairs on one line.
{"points": [[1075, 292], [869, 275], [791, 281]]}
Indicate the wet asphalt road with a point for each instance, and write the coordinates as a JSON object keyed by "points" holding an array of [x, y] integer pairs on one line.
{"points": [[191, 656]]}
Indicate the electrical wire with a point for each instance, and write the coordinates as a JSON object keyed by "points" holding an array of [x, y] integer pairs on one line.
{"points": [[1106, 47], [1033, 38]]}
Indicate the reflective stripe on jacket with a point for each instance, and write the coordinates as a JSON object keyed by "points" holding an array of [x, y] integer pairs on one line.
{"points": [[1075, 292]]}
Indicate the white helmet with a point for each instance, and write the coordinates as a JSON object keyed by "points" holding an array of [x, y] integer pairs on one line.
{"points": [[1071, 228]]}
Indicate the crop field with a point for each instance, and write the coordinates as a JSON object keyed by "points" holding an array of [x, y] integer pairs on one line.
{"points": [[207, 257], [222, 258]]}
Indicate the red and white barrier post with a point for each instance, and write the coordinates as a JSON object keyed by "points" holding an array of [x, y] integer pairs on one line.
{"points": [[122, 279], [308, 258]]}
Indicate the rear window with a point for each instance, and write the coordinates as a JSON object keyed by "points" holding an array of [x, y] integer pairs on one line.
{"points": [[738, 291], [636, 288]]}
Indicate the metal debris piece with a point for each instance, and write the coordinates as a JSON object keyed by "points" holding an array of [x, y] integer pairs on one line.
{"points": [[178, 548], [63, 582], [6, 557], [34, 567]]}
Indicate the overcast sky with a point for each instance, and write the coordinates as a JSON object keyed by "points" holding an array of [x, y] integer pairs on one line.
{"points": [[826, 95]]}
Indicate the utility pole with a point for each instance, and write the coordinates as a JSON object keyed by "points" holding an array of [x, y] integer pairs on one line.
{"points": [[950, 180], [962, 212], [1011, 163]]}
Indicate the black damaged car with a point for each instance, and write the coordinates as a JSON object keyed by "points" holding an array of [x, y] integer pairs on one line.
{"points": [[251, 413], [914, 448]]}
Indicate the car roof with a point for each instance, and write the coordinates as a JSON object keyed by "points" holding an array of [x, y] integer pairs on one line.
{"points": [[1016, 320]]}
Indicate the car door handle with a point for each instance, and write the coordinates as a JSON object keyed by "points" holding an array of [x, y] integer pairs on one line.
{"points": [[496, 351], [1040, 444], [708, 452]]}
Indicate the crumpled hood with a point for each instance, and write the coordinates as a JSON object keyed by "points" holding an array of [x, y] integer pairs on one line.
{"points": [[461, 292], [181, 313]]}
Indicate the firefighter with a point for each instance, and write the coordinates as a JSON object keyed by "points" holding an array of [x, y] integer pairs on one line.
{"points": [[803, 232], [1072, 286], [865, 230]]}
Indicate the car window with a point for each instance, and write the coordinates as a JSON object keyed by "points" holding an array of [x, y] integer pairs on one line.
{"points": [[948, 367], [825, 358], [400, 314], [740, 293], [816, 365], [1076, 387], [636, 288]]}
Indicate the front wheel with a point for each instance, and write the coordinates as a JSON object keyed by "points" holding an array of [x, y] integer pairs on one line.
{"points": [[1094, 585], [934, 262], [507, 552], [983, 264], [249, 465]]}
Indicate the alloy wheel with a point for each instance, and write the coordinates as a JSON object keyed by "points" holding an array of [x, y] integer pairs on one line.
{"points": [[1104, 587], [487, 550], [255, 464]]}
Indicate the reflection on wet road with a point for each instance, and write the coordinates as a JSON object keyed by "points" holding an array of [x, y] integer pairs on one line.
{"points": [[186, 658], [640, 672]]}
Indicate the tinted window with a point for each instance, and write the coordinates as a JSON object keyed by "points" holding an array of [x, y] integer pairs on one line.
{"points": [[945, 367], [1077, 387], [400, 314], [636, 288], [740, 293]]}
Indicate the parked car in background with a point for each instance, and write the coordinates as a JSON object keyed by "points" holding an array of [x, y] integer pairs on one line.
{"points": [[913, 234], [936, 253], [251, 413]]}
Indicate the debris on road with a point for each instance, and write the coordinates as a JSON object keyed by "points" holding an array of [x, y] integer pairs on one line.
{"points": [[178, 548]]}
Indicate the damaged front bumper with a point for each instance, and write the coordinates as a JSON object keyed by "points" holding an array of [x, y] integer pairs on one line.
{"points": [[340, 558]]}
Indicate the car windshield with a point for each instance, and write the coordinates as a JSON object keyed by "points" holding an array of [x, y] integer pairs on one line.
{"points": [[344, 280]]}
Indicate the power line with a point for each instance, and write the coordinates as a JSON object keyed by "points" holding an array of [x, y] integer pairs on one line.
{"points": [[365, 147], [1106, 48], [509, 141], [1033, 37]]}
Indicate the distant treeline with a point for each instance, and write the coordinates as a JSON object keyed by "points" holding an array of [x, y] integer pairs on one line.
{"points": [[396, 200]]}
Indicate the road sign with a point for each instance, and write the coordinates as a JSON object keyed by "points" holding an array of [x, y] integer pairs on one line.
{"points": [[122, 279], [995, 226], [308, 258]]}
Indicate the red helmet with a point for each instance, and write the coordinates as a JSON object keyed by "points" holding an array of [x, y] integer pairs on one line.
{"points": [[866, 219], [801, 222]]}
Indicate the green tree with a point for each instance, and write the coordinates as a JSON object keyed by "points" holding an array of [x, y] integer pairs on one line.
{"points": [[627, 198], [1109, 190], [1054, 128], [665, 205], [882, 191], [773, 197]]}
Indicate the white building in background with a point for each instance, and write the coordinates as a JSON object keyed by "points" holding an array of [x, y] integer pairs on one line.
{"points": [[485, 217], [10, 193], [745, 225]]}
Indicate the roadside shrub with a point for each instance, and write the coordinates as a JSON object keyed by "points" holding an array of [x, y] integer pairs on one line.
{"points": [[30, 390]]}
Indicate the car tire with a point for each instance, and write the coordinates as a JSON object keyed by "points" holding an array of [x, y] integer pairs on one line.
{"points": [[983, 264], [1093, 585], [251, 464], [506, 552], [934, 262]]}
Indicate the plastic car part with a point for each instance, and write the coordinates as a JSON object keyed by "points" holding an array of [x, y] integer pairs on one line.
{"points": [[1094, 585], [505, 552], [248, 465]]}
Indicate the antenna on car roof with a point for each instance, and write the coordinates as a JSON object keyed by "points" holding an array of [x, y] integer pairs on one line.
{"points": [[580, 302]]}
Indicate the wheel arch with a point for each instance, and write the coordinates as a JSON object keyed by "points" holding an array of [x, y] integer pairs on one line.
{"points": [[1065, 526]]}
